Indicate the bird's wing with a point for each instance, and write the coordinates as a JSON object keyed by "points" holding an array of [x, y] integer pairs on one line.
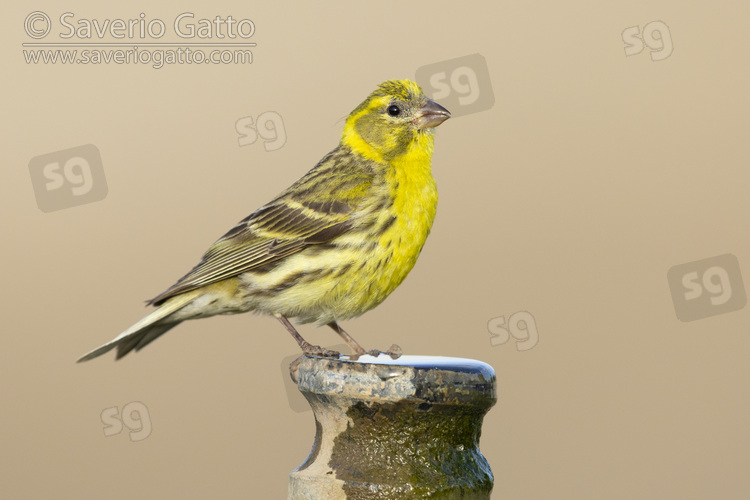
{"points": [[316, 209]]}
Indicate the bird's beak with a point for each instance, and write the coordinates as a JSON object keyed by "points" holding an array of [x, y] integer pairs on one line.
{"points": [[431, 115]]}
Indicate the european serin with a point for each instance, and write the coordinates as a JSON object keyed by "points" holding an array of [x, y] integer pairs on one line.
{"points": [[333, 245]]}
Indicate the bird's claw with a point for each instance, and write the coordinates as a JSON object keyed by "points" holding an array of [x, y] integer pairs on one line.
{"points": [[394, 352], [317, 351], [310, 350]]}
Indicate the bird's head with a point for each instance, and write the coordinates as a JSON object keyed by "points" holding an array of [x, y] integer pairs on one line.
{"points": [[396, 117]]}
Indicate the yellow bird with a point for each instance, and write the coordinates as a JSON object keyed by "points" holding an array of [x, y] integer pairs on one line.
{"points": [[333, 245]]}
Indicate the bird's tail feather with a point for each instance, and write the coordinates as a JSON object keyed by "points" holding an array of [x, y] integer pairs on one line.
{"points": [[144, 337], [147, 329]]}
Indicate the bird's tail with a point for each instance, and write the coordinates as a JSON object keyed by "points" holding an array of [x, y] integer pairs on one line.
{"points": [[147, 329]]}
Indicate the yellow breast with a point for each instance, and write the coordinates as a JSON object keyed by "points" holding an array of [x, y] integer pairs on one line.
{"points": [[408, 219]]}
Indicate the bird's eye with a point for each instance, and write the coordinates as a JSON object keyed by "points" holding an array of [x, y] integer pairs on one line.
{"points": [[394, 110]]}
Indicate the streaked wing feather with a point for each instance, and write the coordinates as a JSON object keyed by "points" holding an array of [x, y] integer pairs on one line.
{"points": [[291, 222]]}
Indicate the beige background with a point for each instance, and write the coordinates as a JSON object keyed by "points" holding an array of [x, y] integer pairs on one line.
{"points": [[592, 175]]}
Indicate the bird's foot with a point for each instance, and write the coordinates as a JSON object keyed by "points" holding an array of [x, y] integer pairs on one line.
{"points": [[310, 350], [394, 352], [317, 351]]}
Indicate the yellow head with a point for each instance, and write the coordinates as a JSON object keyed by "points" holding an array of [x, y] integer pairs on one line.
{"points": [[395, 118]]}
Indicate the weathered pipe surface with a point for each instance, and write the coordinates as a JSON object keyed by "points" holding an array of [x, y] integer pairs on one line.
{"points": [[395, 429]]}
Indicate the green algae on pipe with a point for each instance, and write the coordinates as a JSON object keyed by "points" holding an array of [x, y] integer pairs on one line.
{"points": [[395, 429]]}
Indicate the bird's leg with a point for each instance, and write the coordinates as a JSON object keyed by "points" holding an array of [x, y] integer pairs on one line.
{"points": [[394, 352], [358, 349], [307, 348]]}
